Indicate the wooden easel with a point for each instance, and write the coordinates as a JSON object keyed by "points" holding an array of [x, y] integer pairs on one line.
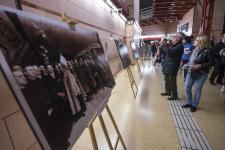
{"points": [[142, 61], [132, 81], [139, 69], [93, 137]]}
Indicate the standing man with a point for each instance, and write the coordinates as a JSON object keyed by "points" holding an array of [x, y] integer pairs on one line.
{"points": [[222, 54], [219, 67], [173, 56], [154, 49]]}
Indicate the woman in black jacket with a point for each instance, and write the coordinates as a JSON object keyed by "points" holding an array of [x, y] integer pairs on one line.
{"points": [[199, 65]]}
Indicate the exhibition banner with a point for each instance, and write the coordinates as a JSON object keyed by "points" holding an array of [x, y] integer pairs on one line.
{"points": [[57, 72], [123, 52]]}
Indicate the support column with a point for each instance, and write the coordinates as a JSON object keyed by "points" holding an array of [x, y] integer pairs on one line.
{"points": [[207, 16]]}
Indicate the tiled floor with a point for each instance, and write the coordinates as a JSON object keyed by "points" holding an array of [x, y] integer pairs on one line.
{"points": [[211, 113], [189, 133], [146, 122]]}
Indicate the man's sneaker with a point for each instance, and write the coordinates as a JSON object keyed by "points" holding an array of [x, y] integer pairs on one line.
{"points": [[165, 94], [186, 106], [219, 82], [212, 82], [193, 109], [172, 98]]}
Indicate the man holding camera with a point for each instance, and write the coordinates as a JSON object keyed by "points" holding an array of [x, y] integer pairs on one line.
{"points": [[173, 56]]}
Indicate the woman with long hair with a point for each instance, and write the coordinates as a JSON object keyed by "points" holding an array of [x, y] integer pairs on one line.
{"points": [[199, 65]]}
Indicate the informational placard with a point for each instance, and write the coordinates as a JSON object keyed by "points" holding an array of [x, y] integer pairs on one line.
{"points": [[58, 74], [184, 28], [123, 52]]}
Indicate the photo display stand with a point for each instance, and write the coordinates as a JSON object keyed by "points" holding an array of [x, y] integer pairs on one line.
{"points": [[59, 77], [105, 131], [126, 62], [142, 61], [132, 82], [139, 68], [137, 56]]}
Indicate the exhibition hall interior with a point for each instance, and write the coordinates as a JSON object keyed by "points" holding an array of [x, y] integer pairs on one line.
{"points": [[112, 75]]}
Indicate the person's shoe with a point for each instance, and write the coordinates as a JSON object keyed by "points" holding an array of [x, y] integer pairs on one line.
{"points": [[193, 109], [212, 82], [171, 98], [218, 82], [165, 94], [186, 106]]}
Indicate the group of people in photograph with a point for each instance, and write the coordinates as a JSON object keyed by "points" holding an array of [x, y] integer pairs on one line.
{"points": [[58, 82], [195, 57]]}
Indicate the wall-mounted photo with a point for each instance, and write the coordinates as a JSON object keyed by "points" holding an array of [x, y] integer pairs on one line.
{"points": [[58, 74], [123, 51]]}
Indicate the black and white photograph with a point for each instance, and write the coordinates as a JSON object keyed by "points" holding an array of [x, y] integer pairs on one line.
{"points": [[135, 50], [60, 70], [123, 52]]}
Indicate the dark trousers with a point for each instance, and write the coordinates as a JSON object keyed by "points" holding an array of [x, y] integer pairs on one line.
{"points": [[218, 71], [224, 78], [153, 53], [171, 83]]}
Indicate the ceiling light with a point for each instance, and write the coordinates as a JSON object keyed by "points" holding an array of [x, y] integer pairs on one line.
{"points": [[172, 4], [130, 21]]}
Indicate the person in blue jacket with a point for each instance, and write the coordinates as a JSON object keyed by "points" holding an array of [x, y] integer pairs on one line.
{"points": [[188, 48]]}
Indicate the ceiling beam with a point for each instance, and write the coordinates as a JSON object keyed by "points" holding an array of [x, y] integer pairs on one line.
{"points": [[170, 10], [173, 7], [174, 1], [173, 4], [166, 9], [163, 11], [168, 13]]}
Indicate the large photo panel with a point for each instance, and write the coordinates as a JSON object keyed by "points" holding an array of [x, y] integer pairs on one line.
{"points": [[123, 51], [135, 50], [58, 73]]}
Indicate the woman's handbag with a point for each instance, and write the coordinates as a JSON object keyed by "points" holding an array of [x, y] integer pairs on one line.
{"points": [[195, 75]]}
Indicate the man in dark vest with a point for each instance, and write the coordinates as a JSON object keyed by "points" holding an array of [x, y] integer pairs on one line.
{"points": [[218, 66], [173, 56]]}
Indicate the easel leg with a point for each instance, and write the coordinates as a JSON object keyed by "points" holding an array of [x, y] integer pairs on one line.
{"points": [[142, 62], [105, 132], [93, 138], [132, 81], [139, 69], [116, 128]]}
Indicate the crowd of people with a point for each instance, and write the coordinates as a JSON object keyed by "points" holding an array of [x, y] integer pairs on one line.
{"points": [[195, 57]]}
